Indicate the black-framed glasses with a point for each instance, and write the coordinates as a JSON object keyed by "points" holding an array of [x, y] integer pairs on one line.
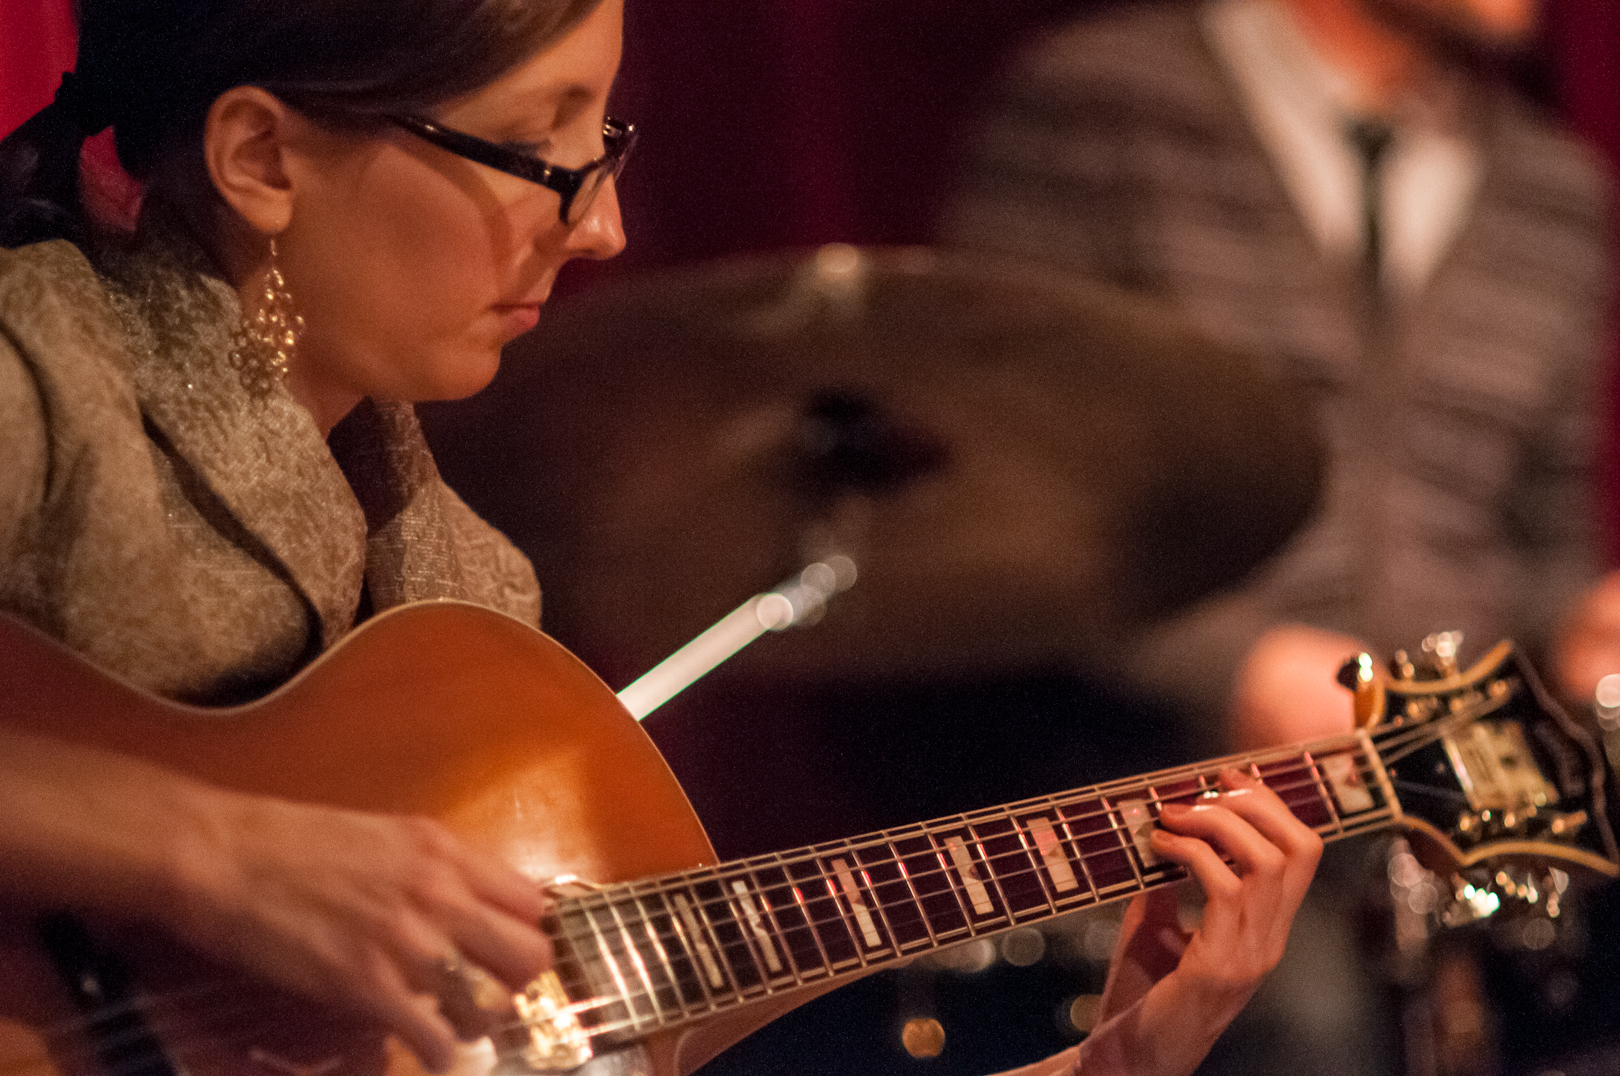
{"points": [[578, 187]]}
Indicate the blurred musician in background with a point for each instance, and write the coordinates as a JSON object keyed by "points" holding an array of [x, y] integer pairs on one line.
{"points": [[1350, 188], [1338, 185]]}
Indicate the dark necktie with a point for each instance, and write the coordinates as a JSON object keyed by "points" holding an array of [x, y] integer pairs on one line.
{"points": [[1371, 139]]}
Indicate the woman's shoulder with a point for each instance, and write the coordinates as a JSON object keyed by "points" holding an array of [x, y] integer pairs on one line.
{"points": [[56, 312], [40, 270]]}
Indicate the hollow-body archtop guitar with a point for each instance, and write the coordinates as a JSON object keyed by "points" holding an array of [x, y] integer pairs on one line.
{"points": [[664, 955]]}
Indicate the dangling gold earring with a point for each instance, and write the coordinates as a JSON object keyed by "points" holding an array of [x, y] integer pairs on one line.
{"points": [[264, 344]]}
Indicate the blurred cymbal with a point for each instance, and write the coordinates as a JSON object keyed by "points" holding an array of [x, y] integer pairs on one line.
{"points": [[1025, 466]]}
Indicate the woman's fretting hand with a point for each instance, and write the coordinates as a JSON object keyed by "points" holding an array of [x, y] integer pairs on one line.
{"points": [[1171, 992]]}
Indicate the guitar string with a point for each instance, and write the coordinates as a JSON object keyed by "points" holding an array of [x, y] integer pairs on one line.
{"points": [[743, 870], [620, 945], [944, 827], [672, 986], [630, 998], [811, 924], [954, 889]]}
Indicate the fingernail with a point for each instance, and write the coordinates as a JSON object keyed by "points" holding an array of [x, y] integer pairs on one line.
{"points": [[1175, 810]]}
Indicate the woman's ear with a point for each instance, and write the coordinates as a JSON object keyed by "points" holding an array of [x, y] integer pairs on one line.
{"points": [[245, 141]]}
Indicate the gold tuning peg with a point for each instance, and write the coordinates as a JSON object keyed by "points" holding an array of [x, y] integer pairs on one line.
{"points": [[1360, 674]]}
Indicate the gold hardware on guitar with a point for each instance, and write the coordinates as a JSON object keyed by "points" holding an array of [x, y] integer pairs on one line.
{"points": [[550, 1037], [1505, 759]]}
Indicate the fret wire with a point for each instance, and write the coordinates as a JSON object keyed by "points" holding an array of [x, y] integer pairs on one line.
{"points": [[1323, 792], [777, 930], [745, 929], [701, 908], [727, 898], [1348, 745], [1079, 854], [1170, 875], [859, 871], [1076, 901], [650, 926], [847, 918], [1137, 785], [1110, 811], [815, 935], [1036, 861], [1370, 819], [690, 944], [732, 954], [951, 881], [1381, 774], [995, 877], [607, 957], [1214, 766], [1147, 883], [641, 969], [1365, 820], [915, 898], [1117, 820]]}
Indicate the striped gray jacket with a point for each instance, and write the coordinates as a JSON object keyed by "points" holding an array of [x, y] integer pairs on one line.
{"points": [[1461, 431]]}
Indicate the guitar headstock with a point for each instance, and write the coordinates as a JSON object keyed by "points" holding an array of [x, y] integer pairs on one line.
{"points": [[1498, 787]]}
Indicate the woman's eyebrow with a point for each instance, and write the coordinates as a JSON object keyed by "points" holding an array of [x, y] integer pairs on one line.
{"points": [[573, 100], [558, 103]]}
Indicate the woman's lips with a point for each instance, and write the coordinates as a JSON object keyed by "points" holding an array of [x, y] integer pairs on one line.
{"points": [[519, 318]]}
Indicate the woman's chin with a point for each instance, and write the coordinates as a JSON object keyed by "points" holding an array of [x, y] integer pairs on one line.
{"points": [[466, 377]]}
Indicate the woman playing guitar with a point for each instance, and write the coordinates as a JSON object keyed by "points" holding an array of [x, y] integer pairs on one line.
{"points": [[212, 474]]}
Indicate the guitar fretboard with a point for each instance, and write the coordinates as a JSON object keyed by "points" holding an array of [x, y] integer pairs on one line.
{"points": [[641, 956]]}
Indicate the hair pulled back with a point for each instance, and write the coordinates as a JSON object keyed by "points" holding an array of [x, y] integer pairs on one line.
{"points": [[150, 69]]}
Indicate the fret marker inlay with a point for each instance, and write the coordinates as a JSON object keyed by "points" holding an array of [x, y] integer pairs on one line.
{"points": [[699, 942], [1057, 865], [1138, 821], [977, 894], [1348, 788], [863, 918], [755, 924]]}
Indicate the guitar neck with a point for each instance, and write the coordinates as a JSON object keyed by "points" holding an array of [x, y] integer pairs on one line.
{"points": [[642, 956]]}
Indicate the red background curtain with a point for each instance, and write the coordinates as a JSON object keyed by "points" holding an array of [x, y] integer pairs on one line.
{"points": [[770, 123]]}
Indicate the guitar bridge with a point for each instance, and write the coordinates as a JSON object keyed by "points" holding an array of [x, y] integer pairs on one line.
{"points": [[548, 1036]]}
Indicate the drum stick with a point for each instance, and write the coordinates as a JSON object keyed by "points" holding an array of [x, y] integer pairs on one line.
{"points": [[799, 600]]}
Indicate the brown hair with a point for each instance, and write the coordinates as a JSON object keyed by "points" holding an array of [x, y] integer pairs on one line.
{"points": [[150, 69]]}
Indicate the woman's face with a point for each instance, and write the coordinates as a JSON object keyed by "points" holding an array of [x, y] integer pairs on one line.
{"points": [[411, 266]]}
